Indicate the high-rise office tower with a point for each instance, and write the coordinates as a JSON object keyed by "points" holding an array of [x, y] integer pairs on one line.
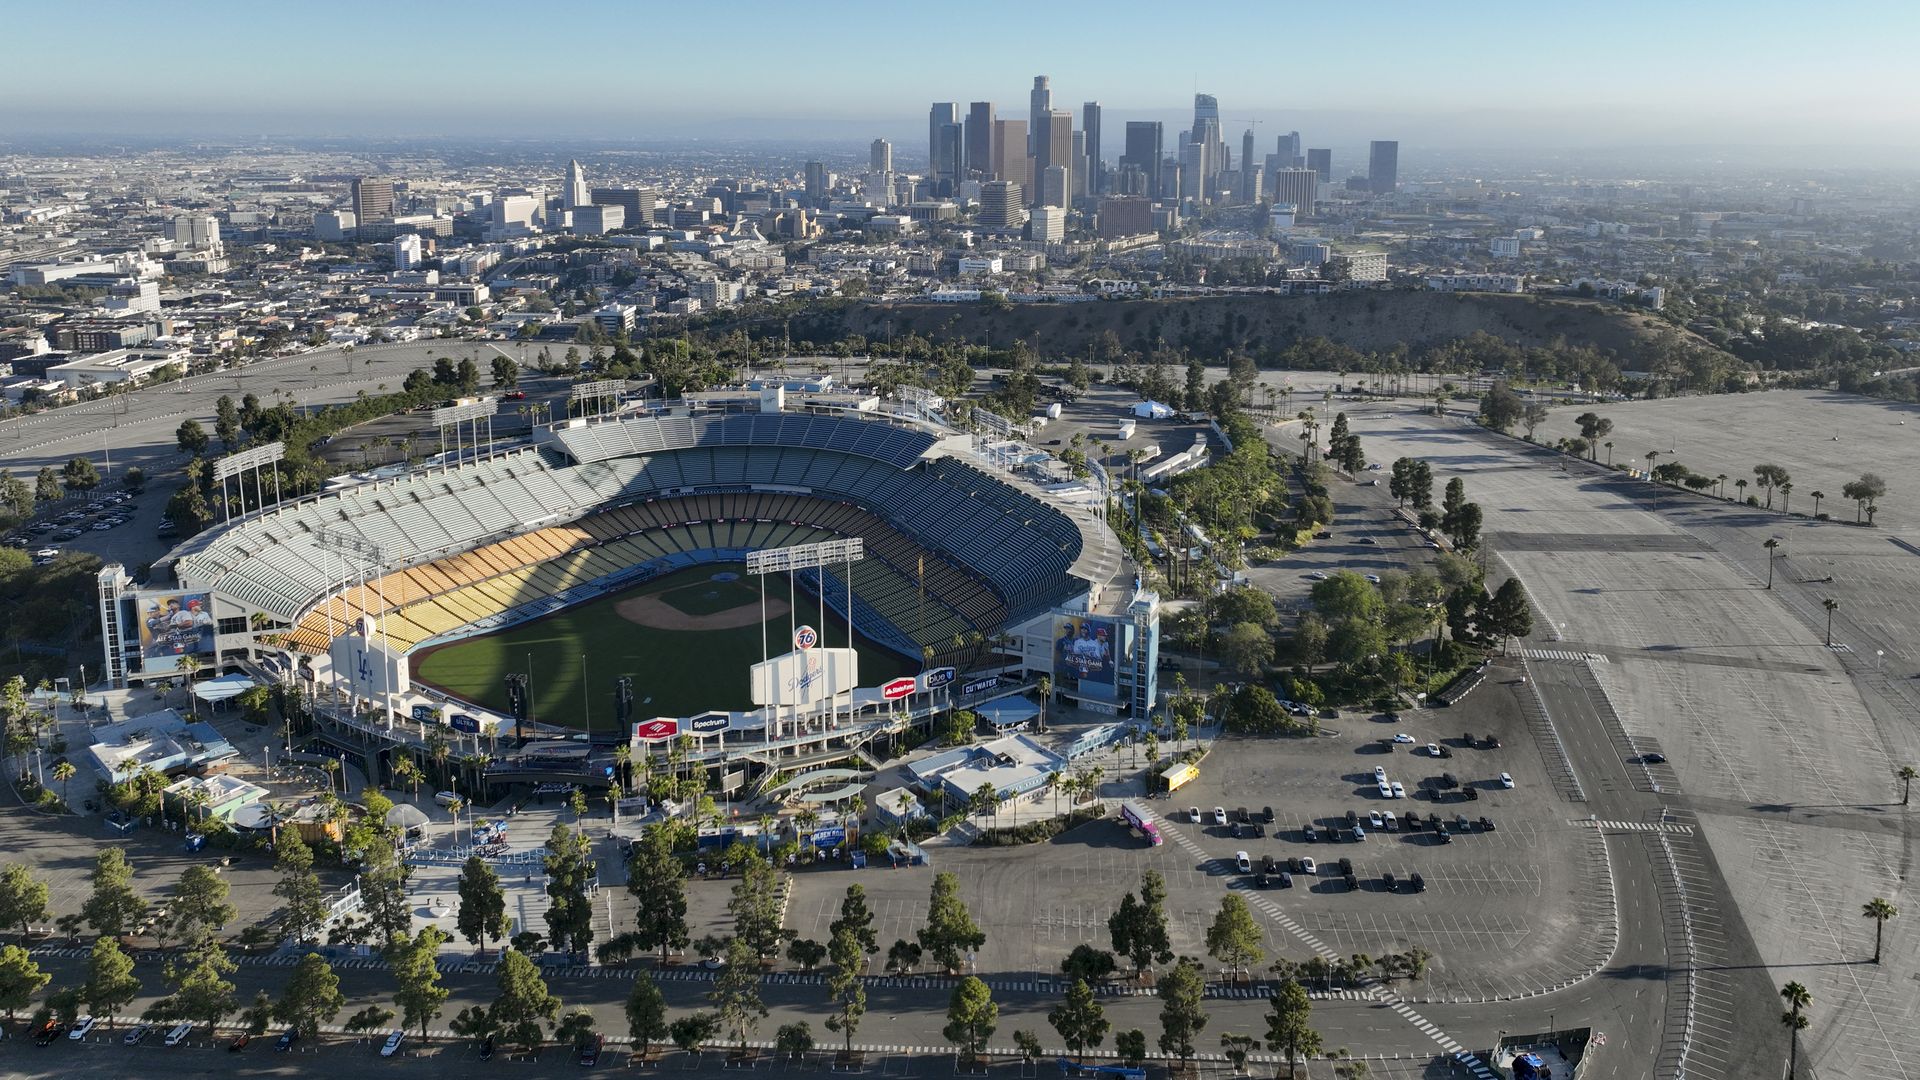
{"points": [[1000, 202], [1301, 187], [1288, 148], [1248, 189], [1144, 150], [979, 141], [578, 194], [880, 156], [1079, 167], [1206, 133], [1011, 161], [1383, 167], [816, 183], [1039, 103], [942, 152], [1321, 161], [1194, 170], [1053, 145], [372, 199], [638, 203], [1054, 189], [1090, 123]]}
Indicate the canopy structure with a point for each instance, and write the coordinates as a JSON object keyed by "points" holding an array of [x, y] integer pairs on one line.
{"points": [[1008, 711], [1152, 410], [406, 816], [223, 688]]}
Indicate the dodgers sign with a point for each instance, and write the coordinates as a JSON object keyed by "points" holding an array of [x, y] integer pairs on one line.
{"points": [[895, 689]]}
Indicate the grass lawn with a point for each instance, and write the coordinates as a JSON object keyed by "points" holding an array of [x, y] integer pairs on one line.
{"points": [[682, 671]]}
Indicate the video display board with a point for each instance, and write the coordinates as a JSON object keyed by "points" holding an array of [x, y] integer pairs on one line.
{"points": [[173, 626]]}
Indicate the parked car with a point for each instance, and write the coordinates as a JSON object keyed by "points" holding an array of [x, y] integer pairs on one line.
{"points": [[178, 1034], [1392, 823], [82, 1028], [239, 1043], [590, 1050], [137, 1034], [1397, 790], [1312, 834], [48, 1032], [1286, 880], [1506, 780], [1193, 814], [1243, 862], [1653, 759], [286, 1040], [486, 1048], [1387, 881], [392, 1045], [1419, 883], [1402, 737], [1266, 814], [1309, 868], [1219, 815], [1376, 821]]}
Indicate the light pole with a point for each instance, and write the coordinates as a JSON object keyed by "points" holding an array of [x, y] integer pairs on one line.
{"points": [[1773, 546], [1831, 605]]}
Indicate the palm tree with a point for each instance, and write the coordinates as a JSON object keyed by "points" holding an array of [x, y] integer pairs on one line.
{"points": [[1772, 544], [1817, 496], [453, 812], [1054, 782], [1879, 911], [1794, 1021], [1609, 455], [1651, 455], [1045, 686], [1786, 496], [332, 766], [64, 771], [1906, 775], [1721, 482], [1831, 605], [1740, 487]]}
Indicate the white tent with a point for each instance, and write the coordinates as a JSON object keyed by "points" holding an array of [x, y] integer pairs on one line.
{"points": [[1153, 410]]}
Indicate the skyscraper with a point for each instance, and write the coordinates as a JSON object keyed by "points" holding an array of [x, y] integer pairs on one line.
{"points": [[1383, 167], [1010, 159], [1039, 103], [1079, 168], [1206, 134], [1321, 161], [1000, 201], [577, 194], [943, 149], [1288, 147], [1248, 189], [880, 156], [1301, 187], [372, 199], [1053, 148], [979, 141], [816, 183], [1144, 149], [1090, 123]]}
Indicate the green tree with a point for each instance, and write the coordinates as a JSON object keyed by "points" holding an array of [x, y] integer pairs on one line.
{"points": [[16, 496], [1247, 648], [971, 1017], [1080, 1020], [191, 438], [856, 916], [416, 971], [794, 1040], [656, 880], [756, 907], [1234, 938], [23, 898], [299, 889], [1183, 1013], [1289, 1029], [689, 1033], [200, 903], [111, 984], [570, 871], [506, 373], [1795, 1021], [806, 952], [522, 1003], [311, 998], [1346, 595], [21, 979], [845, 991], [46, 485], [257, 1017], [903, 957], [1087, 964], [114, 907], [1865, 493], [1131, 1045], [736, 991], [1879, 910], [1508, 614], [483, 904], [646, 1014], [950, 931], [201, 990], [79, 474], [371, 1018]]}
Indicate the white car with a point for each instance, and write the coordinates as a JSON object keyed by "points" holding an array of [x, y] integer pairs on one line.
{"points": [[1380, 773], [81, 1027], [1308, 868], [1506, 780], [392, 1045], [1375, 578], [1374, 820], [1386, 790], [1193, 814], [1244, 861], [1402, 737], [1399, 792], [1219, 815], [1433, 749], [1318, 575]]}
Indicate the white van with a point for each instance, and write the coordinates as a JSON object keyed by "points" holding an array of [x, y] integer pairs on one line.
{"points": [[179, 1033]]}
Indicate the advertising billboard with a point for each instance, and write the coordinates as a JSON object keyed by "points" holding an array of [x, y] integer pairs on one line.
{"points": [[173, 626], [804, 677], [1087, 653]]}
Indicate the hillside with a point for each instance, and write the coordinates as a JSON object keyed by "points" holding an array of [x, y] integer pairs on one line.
{"points": [[1208, 325]]}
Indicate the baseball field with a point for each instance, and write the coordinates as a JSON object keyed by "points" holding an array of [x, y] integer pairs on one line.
{"points": [[686, 640]]}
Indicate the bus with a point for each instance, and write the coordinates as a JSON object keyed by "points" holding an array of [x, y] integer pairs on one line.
{"points": [[1137, 816]]}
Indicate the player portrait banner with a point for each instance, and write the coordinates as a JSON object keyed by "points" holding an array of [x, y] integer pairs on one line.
{"points": [[174, 626], [1087, 653]]}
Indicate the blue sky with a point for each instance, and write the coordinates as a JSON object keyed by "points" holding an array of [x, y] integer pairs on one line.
{"points": [[1489, 74]]}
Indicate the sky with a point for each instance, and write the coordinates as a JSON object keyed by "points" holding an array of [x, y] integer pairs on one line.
{"points": [[1491, 74]]}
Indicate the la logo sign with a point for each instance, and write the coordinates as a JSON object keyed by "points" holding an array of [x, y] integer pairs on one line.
{"points": [[896, 689]]}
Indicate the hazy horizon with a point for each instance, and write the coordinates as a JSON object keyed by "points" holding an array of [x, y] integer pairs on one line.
{"points": [[1500, 77]]}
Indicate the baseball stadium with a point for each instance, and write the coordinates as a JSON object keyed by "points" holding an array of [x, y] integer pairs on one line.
{"points": [[607, 582]]}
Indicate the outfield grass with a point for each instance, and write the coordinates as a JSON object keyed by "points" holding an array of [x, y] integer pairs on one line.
{"points": [[682, 671]]}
